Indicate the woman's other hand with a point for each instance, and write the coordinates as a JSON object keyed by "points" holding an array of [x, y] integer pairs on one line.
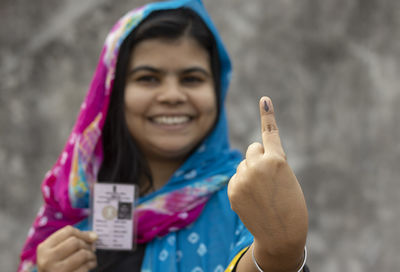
{"points": [[68, 249], [266, 195]]}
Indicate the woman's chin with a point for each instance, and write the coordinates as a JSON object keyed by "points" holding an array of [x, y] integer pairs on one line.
{"points": [[172, 152]]}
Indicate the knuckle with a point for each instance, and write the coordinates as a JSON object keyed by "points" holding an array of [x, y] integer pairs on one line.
{"points": [[241, 166], [276, 160], [69, 230], [41, 247], [271, 128], [84, 255], [255, 170], [254, 148], [231, 181], [42, 256], [231, 184], [232, 192], [42, 263], [270, 131], [89, 256], [254, 145], [75, 243], [79, 256], [91, 265], [236, 192], [232, 199]]}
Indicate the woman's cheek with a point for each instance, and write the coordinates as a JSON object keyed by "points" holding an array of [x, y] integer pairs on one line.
{"points": [[207, 100], [134, 100]]}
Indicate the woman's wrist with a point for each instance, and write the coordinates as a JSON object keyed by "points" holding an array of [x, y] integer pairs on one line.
{"points": [[299, 269]]}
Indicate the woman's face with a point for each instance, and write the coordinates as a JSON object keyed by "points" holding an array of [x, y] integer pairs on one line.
{"points": [[170, 103]]}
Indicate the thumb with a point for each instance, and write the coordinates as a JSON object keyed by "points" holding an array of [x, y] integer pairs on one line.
{"points": [[269, 128]]}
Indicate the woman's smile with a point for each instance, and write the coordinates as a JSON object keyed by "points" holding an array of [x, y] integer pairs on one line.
{"points": [[171, 121]]}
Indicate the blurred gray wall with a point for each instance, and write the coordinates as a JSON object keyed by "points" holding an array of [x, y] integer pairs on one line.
{"points": [[332, 68]]}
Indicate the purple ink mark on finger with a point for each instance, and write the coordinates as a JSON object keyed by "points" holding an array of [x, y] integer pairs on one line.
{"points": [[266, 108]]}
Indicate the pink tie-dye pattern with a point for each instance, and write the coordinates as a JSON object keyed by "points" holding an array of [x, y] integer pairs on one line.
{"points": [[55, 187]]}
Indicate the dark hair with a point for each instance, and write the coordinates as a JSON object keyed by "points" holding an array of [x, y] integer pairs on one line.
{"points": [[123, 161]]}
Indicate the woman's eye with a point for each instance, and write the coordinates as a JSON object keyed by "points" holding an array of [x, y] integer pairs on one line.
{"points": [[192, 80], [147, 79]]}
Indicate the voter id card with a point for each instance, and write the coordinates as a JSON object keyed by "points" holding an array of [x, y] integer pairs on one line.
{"points": [[113, 215]]}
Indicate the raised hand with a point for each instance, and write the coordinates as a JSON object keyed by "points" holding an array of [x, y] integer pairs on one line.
{"points": [[68, 249], [267, 197]]}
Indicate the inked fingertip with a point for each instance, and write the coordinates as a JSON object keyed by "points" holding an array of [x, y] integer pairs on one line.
{"points": [[266, 107], [266, 104]]}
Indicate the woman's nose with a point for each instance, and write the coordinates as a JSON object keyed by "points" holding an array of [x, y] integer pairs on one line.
{"points": [[171, 92]]}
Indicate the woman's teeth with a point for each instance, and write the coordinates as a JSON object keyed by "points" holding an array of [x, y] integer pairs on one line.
{"points": [[171, 120]]}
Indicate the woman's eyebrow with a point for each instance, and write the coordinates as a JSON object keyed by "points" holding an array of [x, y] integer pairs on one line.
{"points": [[196, 69], [144, 68]]}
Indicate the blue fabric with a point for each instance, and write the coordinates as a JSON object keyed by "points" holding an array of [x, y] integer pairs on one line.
{"points": [[209, 244]]}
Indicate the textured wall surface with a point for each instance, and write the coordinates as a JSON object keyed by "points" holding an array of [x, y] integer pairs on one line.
{"points": [[331, 67]]}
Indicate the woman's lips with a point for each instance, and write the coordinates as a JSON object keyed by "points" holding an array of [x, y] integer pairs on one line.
{"points": [[171, 122]]}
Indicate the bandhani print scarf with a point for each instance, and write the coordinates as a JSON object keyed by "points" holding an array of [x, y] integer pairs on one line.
{"points": [[66, 187]]}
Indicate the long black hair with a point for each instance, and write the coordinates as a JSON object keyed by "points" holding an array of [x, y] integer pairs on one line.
{"points": [[123, 161]]}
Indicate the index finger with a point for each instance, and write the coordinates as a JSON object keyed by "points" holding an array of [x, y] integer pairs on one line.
{"points": [[68, 231], [269, 128]]}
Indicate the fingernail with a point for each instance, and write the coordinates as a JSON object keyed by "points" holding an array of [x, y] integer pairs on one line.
{"points": [[266, 108], [93, 235]]}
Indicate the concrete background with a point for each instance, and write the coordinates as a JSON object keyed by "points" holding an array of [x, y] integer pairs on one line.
{"points": [[332, 68]]}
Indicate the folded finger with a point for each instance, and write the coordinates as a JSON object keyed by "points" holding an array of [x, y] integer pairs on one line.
{"points": [[254, 151], [70, 246], [89, 266], [69, 231], [78, 260]]}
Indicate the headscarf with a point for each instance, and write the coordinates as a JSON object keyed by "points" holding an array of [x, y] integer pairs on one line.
{"points": [[66, 187]]}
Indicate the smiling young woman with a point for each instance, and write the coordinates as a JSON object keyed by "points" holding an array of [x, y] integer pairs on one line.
{"points": [[155, 116]]}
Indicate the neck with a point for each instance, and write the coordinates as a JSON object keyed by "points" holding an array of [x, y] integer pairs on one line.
{"points": [[162, 170]]}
